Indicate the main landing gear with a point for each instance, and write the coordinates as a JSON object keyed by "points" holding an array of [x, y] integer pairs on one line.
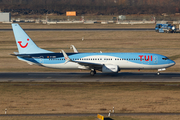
{"points": [[93, 72], [158, 73]]}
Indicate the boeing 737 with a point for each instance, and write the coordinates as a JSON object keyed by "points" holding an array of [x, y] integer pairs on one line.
{"points": [[104, 62]]}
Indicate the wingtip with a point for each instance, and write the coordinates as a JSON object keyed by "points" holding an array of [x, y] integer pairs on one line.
{"points": [[65, 55]]}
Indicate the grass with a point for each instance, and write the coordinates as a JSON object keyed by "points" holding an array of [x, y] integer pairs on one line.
{"points": [[37, 98], [48, 118], [168, 117], [74, 26]]}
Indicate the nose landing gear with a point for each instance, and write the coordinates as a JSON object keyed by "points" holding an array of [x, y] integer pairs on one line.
{"points": [[162, 69]]}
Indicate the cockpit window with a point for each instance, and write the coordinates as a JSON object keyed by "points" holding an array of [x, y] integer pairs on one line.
{"points": [[165, 58]]}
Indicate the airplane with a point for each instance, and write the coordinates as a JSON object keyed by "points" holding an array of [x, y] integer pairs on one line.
{"points": [[104, 62]]}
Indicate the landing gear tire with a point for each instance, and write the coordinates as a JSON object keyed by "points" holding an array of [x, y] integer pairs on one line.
{"points": [[93, 72]]}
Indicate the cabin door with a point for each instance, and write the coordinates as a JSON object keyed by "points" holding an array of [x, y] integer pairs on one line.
{"points": [[41, 59], [155, 58]]}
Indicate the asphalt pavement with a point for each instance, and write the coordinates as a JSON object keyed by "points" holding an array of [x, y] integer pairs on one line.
{"points": [[85, 77]]}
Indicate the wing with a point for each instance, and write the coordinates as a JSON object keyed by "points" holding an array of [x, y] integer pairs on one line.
{"points": [[96, 66]]}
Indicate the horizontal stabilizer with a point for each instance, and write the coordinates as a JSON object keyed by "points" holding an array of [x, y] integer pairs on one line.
{"points": [[21, 55]]}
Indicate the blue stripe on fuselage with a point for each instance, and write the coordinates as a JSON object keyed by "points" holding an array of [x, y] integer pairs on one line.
{"points": [[140, 58]]}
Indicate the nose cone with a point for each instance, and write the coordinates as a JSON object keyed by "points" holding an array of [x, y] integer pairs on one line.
{"points": [[171, 62]]}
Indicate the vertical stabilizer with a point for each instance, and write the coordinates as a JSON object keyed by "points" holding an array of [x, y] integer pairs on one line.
{"points": [[24, 43]]}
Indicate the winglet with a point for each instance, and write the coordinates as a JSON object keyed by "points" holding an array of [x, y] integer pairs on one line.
{"points": [[74, 49], [66, 56]]}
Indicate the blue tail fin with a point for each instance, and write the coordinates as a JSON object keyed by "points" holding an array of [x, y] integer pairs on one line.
{"points": [[24, 43]]}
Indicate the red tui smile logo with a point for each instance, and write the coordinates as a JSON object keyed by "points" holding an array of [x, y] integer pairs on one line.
{"points": [[22, 45]]}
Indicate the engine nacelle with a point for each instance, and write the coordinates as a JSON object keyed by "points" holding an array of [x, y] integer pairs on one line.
{"points": [[110, 68]]}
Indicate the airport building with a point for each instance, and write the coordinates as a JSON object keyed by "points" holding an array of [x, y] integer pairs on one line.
{"points": [[5, 17]]}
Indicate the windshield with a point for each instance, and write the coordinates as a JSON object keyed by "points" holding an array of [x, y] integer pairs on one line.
{"points": [[165, 58]]}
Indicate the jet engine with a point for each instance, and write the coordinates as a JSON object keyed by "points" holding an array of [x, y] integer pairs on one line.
{"points": [[110, 68]]}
